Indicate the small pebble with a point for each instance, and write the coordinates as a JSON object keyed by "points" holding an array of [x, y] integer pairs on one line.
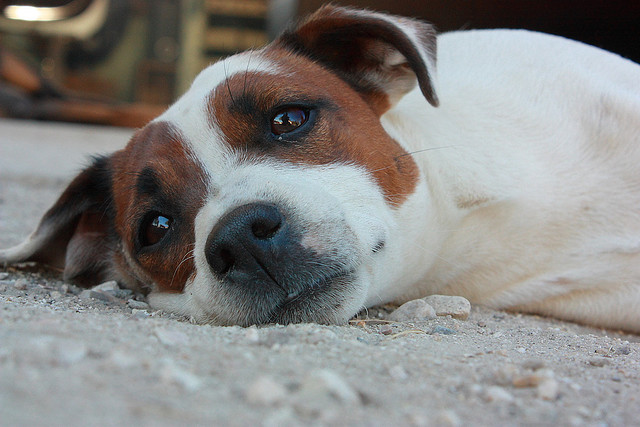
{"points": [[505, 374], [56, 295], [139, 305], [85, 295], [252, 335], [527, 381], [111, 285], [548, 389], [454, 306], [266, 391], [89, 294], [65, 289], [386, 329], [599, 361], [534, 379], [623, 350], [4, 275], [122, 293], [533, 364], [413, 311], [442, 330], [21, 284], [140, 314], [497, 394]]}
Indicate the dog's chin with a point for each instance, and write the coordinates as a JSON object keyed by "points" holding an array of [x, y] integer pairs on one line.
{"points": [[327, 300], [331, 300]]}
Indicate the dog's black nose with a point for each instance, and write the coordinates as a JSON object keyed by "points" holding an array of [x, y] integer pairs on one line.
{"points": [[245, 244]]}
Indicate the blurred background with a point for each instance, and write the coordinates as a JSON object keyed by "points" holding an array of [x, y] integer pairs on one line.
{"points": [[121, 62]]}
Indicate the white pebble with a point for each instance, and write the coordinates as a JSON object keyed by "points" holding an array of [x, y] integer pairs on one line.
{"points": [[89, 294], [21, 284], [599, 361], [111, 285], [548, 389], [139, 305], [454, 306], [413, 311], [266, 391], [3, 275], [252, 335], [497, 394], [140, 314], [86, 294], [505, 374]]}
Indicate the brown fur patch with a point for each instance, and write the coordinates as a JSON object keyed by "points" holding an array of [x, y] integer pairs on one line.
{"points": [[344, 129], [176, 188]]}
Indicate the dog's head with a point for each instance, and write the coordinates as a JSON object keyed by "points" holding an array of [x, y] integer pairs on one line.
{"points": [[270, 192]]}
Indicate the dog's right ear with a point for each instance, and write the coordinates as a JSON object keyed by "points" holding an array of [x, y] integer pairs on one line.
{"points": [[372, 51], [75, 235]]}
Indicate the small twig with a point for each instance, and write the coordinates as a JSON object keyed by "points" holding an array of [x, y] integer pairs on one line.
{"points": [[408, 332]]}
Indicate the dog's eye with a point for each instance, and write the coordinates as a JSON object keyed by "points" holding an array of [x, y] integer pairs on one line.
{"points": [[154, 228], [288, 120]]}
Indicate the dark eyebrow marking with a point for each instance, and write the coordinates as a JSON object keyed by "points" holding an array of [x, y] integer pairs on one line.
{"points": [[147, 182]]}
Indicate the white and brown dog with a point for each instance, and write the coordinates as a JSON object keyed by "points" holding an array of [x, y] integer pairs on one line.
{"points": [[312, 178]]}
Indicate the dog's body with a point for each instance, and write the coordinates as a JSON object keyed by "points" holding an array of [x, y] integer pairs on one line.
{"points": [[310, 179]]}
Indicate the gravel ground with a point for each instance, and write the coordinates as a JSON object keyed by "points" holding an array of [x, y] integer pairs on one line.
{"points": [[70, 356]]}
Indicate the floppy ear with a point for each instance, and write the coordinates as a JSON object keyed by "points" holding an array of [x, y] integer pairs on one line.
{"points": [[373, 52], [75, 234]]}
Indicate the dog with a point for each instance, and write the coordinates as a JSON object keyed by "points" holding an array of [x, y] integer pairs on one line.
{"points": [[333, 170]]}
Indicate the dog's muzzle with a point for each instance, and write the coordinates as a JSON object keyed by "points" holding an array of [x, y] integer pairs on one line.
{"points": [[256, 249]]}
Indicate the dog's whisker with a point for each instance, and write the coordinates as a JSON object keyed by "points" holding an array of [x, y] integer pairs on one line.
{"points": [[226, 80], [246, 73], [424, 150], [188, 256]]}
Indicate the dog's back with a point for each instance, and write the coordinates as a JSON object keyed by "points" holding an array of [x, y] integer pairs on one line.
{"points": [[534, 154]]}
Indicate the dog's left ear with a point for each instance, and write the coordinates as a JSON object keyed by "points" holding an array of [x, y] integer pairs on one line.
{"points": [[73, 234], [375, 53]]}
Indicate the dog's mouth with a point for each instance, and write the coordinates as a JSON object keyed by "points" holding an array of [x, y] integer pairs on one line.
{"points": [[322, 285], [316, 302]]}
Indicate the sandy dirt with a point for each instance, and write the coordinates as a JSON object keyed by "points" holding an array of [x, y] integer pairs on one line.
{"points": [[101, 357]]}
